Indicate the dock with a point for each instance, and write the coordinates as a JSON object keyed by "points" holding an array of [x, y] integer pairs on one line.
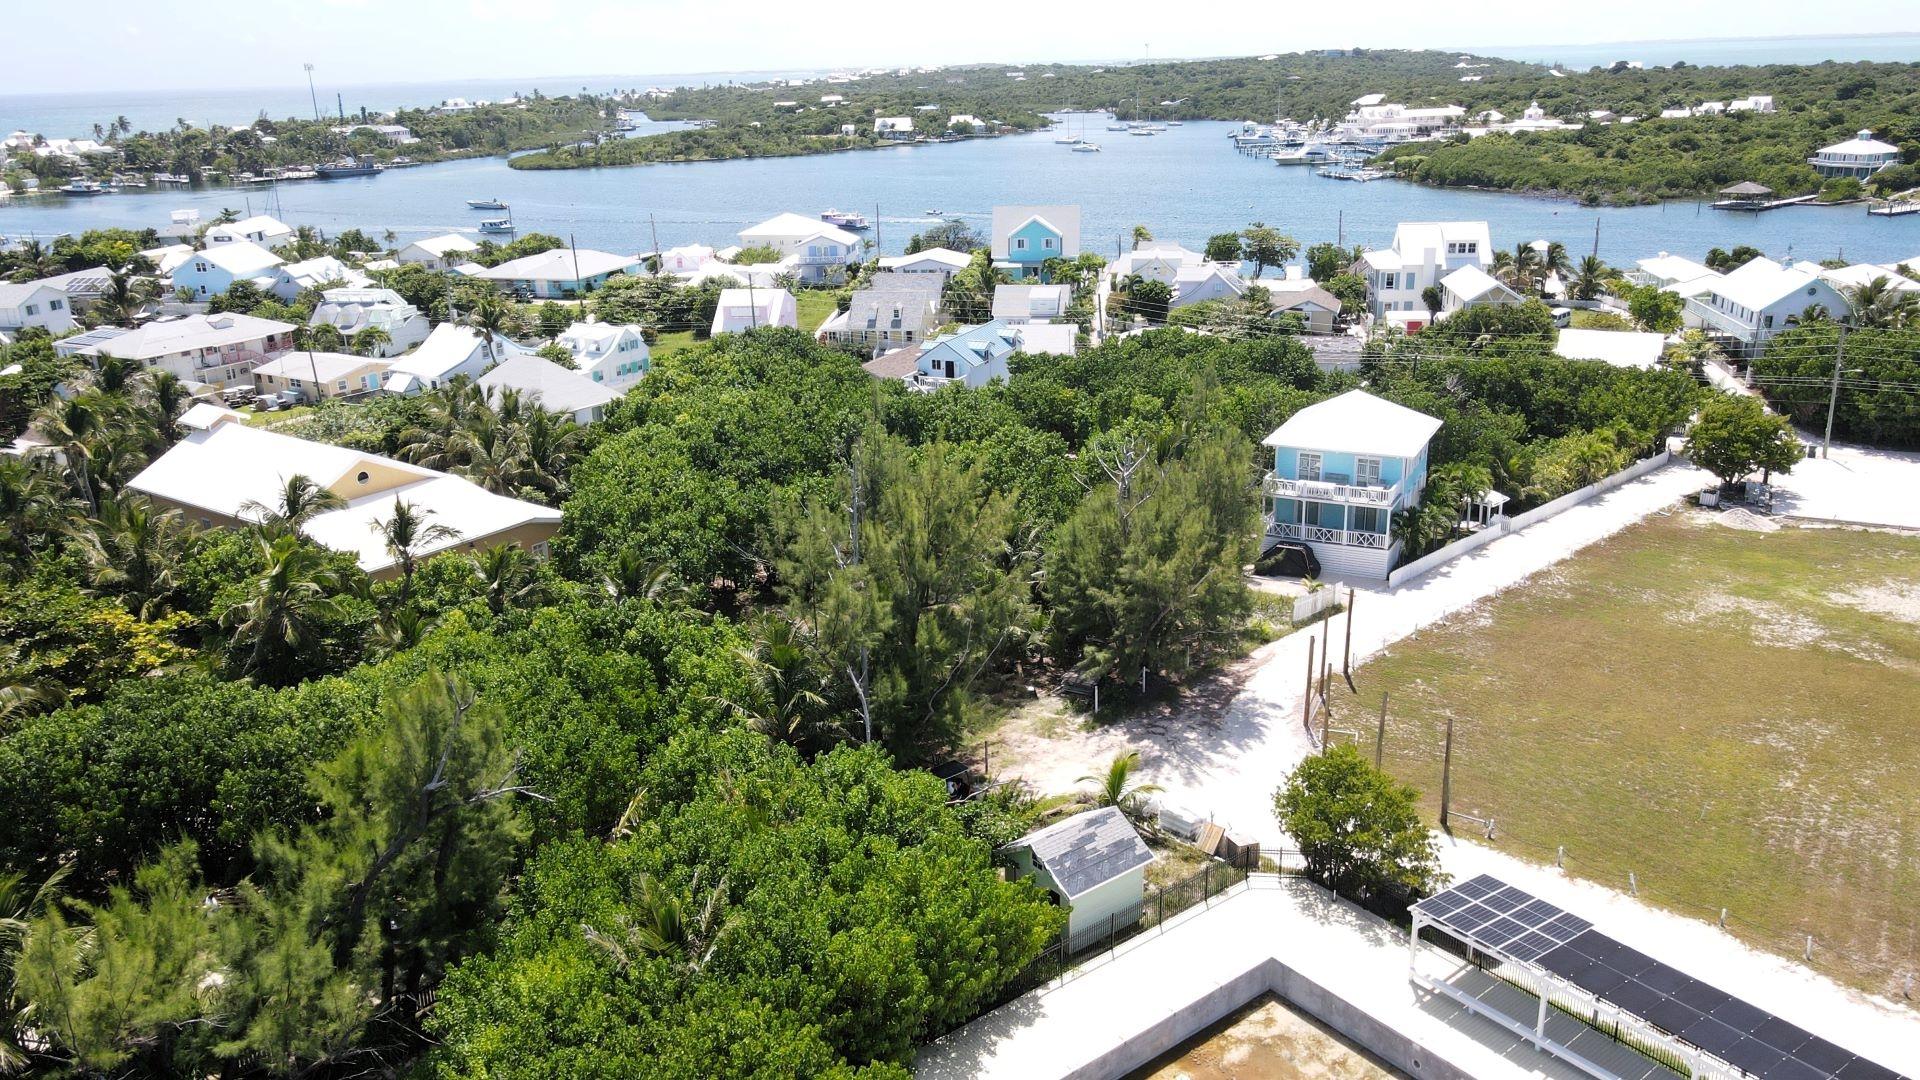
{"points": [[1754, 206], [1895, 209]]}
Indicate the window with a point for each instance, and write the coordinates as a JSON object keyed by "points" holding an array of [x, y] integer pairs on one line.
{"points": [[540, 550], [56, 305], [1409, 283], [1366, 471], [1309, 466], [200, 268], [1047, 243], [33, 309], [1366, 519], [1019, 243]]}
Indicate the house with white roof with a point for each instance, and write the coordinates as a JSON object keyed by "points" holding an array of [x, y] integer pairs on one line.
{"points": [[166, 258], [35, 304], [1620, 348], [1016, 304], [562, 273], [1421, 254], [353, 310], [220, 350], [1300, 294], [1859, 157], [213, 271], [258, 229], [1341, 468], [315, 375], [1858, 275], [450, 352], [893, 309], [1746, 307], [1025, 237], [292, 279], [1202, 281], [1664, 269], [614, 355], [685, 259], [1471, 286], [973, 355], [1094, 865], [1155, 260], [437, 252], [558, 390], [893, 127], [944, 262], [814, 250], [223, 471], [749, 309]]}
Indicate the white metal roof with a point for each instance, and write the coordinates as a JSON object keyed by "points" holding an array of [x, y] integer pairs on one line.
{"points": [[560, 265], [240, 258], [1673, 267], [1862, 143], [1357, 422], [1762, 283], [164, 337], [557, 389], [1621, 348], [446, 348], [1470, 283], [945, 257], [440, 246], [793, 227], [318, 366]]}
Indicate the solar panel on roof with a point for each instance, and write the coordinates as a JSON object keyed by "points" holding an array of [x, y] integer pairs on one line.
{"points": [[1711, 1035], [1862, 1069], [1797, 1070], [1743, 1017], [1478, 887], [1503, 903], [1818, 1053], [1752, 1055]]}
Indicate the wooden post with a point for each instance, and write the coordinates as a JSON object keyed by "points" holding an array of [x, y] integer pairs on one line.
{"points": [[1346, 656], [1380, 737], [1306, 710], [1446, 776]]}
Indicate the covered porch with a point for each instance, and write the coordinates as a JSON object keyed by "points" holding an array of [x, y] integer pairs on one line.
{"points": [[1330, 523]]}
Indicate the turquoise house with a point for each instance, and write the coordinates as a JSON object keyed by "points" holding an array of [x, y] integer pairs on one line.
{"points": [[1341, 468], [1025, 237]]}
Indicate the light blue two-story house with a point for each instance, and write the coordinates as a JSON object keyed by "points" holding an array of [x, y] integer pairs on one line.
{"points": [[1025, 237], [1340, 470]]}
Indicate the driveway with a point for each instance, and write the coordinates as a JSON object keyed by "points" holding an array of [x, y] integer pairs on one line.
{"points": [[1222, 752]]}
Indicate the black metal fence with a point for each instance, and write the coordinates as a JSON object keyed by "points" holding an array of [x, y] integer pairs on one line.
{"points": [[1156, 906]]}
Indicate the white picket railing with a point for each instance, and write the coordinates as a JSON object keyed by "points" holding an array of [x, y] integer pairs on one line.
{"points": [[1316, 534], [1282, 487]]}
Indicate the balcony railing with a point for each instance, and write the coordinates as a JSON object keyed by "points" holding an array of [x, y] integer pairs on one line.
{"points": [[1726, 322], [1282, 487], [1316, 534]]}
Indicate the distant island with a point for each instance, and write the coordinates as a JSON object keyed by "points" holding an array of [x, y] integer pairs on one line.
{"points": [[1612, 145]]}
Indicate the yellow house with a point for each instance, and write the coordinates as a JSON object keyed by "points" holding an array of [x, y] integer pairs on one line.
{"points": [[222, 471]]}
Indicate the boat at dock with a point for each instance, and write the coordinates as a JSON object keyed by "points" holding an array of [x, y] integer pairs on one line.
{"points": [[171, 178], [486, 204], [82, 187], [347, 167]]}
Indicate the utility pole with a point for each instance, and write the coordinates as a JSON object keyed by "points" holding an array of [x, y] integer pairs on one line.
{"points": [[1306, 710], [340, 103], [879, 249], [1596, 237], [1346, 656], [1833, 395], [312, 93], [576, 276], [659, 257], [1446, 776], [1380, 736]]}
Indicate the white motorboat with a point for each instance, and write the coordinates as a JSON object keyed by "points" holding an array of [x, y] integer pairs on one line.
{"points": [[496, 225], [486, 204], [1086, 148]]}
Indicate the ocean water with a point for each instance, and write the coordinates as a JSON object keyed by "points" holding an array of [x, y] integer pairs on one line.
{"points": [[72, 115], [1900, 45], [1184, 185]]}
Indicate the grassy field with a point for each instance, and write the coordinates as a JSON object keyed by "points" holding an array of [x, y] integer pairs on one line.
{"points": [[1729, 715], [812, 306]]}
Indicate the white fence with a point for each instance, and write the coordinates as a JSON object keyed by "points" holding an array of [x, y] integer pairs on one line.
{"points": [[1503, 525], [1313, 603]]}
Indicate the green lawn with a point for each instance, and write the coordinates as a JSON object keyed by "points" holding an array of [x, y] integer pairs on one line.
{"points": [[812, 307], [1729, 715]]}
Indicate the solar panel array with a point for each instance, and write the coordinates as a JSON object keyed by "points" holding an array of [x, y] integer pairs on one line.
{"points": [[1495, 915], [1485, 912]]}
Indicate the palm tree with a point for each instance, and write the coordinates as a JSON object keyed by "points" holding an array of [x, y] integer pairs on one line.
{"points": [[227, 216], [300, 499], [491, 316], [74, 426], [1591, 278], [492, 456], [664, 925], [1520, 269], [1881, 306], [20, 905], [161, 393], [1141, 235], [790, 692], [1557, 261], [287, 605], [1115, 787], [550, 444], [407, 534], [507, 576], [322, 338], [401, 629], [34, 506], [1434, 299], [131, 549], [125, 298], [371, 341], [634, 576]]}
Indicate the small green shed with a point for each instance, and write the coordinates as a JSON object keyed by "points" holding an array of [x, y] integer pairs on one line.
{"points": [[1094, 864]]}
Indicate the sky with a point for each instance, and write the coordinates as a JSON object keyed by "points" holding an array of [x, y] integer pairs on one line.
{"points": [[136, 44]]}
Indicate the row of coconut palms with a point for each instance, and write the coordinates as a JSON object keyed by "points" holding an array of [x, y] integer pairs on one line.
{"points": [[503, 441]]}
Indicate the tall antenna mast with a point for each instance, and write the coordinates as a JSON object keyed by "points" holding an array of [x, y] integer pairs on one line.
{"points": [[311, 93]]}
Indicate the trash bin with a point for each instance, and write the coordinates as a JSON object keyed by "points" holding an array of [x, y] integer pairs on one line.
{"points": [[1813, 451]]}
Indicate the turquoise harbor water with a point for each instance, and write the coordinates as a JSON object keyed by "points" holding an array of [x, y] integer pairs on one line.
{"points": [[1185, 185]]}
